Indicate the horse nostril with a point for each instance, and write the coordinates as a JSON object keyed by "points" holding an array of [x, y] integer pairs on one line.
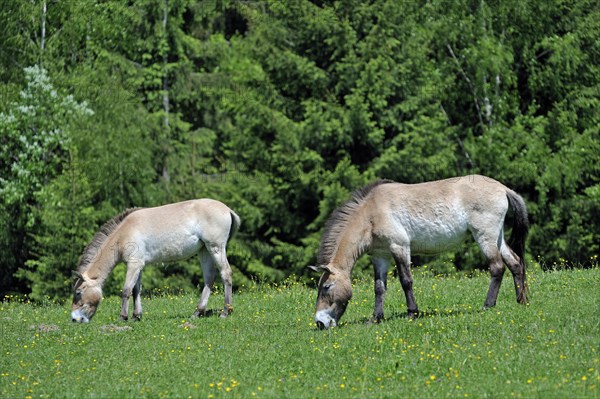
{"points": [[320, 325], [74, 320]]}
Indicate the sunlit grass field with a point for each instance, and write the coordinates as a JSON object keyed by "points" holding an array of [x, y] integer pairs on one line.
{"points": [[269, 347]]}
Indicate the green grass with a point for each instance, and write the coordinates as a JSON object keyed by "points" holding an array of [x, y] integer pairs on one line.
{"points": [[270, 348]]}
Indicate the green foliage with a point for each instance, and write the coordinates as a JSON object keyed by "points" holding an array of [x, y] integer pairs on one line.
{"points": [[36, 132], [280, 110], [60, 238]]}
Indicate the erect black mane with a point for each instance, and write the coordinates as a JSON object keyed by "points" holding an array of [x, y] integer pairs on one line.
{"points": [[340, 218], [91, 250]]}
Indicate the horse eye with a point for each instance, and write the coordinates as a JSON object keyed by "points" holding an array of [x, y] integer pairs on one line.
{"points": [[327, 286]]}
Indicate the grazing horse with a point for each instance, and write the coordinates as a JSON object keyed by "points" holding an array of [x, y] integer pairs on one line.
{"points": [[425, 218], [141, 236]]}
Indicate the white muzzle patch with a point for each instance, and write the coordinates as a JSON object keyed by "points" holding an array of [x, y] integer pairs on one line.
{"points": [[78, 316], [324, 320]]}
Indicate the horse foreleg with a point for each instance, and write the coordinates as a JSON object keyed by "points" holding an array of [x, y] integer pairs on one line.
{"points": [[131, 279], [124, 316], [209, 273], [402, 257], [381, 269], [137, 299]]}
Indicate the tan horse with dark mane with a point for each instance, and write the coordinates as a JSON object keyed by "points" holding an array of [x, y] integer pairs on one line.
{"points": [[428, 218], [142, 236]]}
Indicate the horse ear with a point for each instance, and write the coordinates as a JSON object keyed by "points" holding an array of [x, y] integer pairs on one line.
{"points": [[321, 269], [328, 269]]}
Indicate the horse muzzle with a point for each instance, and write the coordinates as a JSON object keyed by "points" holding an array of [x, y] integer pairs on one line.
{"points": [[79, 317], [324, 320]]}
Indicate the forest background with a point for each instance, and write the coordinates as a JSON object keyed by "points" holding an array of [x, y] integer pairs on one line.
{"points": [[280, 109]]}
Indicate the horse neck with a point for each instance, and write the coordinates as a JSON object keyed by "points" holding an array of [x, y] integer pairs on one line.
{"points": [[105, 262], [354, 240]]}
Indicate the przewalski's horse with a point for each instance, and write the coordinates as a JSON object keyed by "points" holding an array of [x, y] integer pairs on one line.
{"points": [[426, 218], [149, 235]]}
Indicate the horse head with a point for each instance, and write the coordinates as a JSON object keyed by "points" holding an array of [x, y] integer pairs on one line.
{"points": [[335, 291], [87, 295]]}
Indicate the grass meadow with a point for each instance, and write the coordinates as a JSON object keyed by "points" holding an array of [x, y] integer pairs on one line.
{"points": [[270, 348]]}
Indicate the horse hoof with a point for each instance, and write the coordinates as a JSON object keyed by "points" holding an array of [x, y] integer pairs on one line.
{"points": [[375, 320], [137, 317], [227, 311], [123, 318], [199, 313]]}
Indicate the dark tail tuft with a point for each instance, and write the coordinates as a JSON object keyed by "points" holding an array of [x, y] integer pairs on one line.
{"points": [[520, 224], [518, 235], [235, 224]]}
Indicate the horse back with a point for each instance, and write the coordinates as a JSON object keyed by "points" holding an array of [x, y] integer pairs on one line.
{"points": [[433, 216], [176, 231]]}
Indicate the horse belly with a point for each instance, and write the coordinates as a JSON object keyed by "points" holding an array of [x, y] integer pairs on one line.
{"points": [[437, 235], [172, 247], [435, 242]]}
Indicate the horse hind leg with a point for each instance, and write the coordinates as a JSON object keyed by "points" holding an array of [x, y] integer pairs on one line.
{"points": [[497, 273], [489, 242], [517, 268], [209, 273], [218, 254]]}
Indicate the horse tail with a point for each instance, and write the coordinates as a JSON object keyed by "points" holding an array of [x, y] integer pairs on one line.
{"points": [[235, 224], [520, 229], [520, 226]]}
